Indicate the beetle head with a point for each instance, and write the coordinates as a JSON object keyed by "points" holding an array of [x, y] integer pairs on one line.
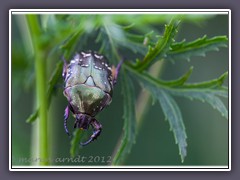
{"points": [[82, 121]]}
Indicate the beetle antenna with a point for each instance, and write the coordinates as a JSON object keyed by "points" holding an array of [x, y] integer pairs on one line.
{"points": [[64, 71], [63, 59], [116, 71], [66, 115]]}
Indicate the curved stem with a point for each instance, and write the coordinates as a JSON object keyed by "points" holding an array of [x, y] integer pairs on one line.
{"points": [[40, 69], [144, 96]]}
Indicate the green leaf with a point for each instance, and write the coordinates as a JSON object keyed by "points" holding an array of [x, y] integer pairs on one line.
{"points": [[71, 42], [215, 83], [207, 91], [137, 43], [129, 41], [204, 91], [199, 47], [174, 117], [77, 136], [205, 95], [32, 117], [114, 37], [172, 114], [109, 42], [174, 83], [129, 116], [161, 47]]}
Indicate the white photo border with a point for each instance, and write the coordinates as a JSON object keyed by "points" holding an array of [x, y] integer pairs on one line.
{"points": [[120, 168]]}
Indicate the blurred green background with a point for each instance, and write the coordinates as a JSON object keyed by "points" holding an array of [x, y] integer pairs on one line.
{"points": [[207, 130]]}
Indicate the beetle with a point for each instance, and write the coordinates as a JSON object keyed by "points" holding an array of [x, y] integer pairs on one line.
{"points": [[89, 82]]}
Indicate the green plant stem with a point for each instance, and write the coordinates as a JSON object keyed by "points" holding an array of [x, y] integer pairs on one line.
{"points": [[40, 69], [144, 96]]}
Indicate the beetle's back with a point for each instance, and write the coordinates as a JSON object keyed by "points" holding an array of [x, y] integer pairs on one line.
{"points": [[89, 64], [87, 100]]}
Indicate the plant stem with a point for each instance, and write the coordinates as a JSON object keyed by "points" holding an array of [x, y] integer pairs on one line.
{"points": [[40, 69], [144, 96]]}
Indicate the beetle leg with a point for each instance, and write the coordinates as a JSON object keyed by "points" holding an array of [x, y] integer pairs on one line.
{"points": [[96, 132], [64, 72], [66, 115], [115, 71], [106, 101]]}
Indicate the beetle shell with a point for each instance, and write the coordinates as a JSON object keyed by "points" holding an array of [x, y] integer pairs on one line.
{"points": [[88, 83]]}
